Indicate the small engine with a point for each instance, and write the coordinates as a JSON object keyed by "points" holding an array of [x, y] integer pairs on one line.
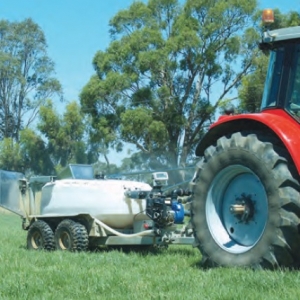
{"points": [[164, 209]]}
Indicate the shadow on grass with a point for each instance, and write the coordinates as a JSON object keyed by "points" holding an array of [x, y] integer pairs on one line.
{"points": [[148, 250], [186, 251], [142, 250], [204, 266]]}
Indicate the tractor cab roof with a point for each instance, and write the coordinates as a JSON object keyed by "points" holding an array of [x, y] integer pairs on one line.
{"points": [[282, 34]]}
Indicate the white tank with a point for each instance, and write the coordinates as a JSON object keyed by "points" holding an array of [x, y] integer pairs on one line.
{"points": [[102, 199]]}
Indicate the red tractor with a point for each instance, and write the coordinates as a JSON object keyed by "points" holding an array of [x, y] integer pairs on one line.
{"points": [[246, 206]]}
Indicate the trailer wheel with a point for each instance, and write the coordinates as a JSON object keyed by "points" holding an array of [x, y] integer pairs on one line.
{"points": [[246, 206], [71, 236], [40, 236]]}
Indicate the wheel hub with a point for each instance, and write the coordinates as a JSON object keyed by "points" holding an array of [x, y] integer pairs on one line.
{"points": [[236, 209], [65, 241], [244, 208], [36, 240]]}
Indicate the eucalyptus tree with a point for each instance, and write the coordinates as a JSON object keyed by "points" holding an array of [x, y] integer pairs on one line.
{"points": [[10, 155], [35, 157], [59, 140], [64, 134], [26, 75], [167, 69]]}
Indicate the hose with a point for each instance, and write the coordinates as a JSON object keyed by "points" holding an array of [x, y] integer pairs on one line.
{"points": [[146, 232]]}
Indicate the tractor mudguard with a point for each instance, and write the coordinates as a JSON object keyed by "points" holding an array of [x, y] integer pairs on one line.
{"points": [[273, 122]]}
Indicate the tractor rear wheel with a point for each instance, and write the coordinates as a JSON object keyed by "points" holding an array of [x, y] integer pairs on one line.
{"points": [[246, 205], [70, 235], [40, 236]]}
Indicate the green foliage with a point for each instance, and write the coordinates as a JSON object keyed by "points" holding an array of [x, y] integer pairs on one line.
{"points": [[139, 126], [35, 155], [65, 134], [25, 75], [29, 155], [10, 157], [63, 142], [252, 87], [167, 69]]}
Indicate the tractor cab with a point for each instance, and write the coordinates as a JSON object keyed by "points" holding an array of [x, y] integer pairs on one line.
{"points": [[282, 86]]}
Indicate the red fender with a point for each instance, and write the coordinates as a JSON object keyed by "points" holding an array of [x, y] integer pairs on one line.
{"points": [[278, 121]]}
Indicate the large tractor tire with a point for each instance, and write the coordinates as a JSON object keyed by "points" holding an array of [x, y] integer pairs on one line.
{"points": [[246, 205], [40, 236], [71, 236]]}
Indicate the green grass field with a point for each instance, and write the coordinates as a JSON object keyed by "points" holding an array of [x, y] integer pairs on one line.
{"points": [[173, 273]]}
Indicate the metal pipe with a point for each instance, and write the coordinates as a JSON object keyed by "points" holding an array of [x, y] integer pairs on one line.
{"points": [[146, 232]]}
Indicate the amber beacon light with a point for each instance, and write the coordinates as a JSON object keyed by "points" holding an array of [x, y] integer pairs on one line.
{"points": [[268, 16]]}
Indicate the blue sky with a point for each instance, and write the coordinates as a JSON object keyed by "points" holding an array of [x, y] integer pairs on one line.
{"points": [[76, 29]]}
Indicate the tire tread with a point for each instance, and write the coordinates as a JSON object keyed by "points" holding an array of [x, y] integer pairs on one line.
{"points": [[284, 251]]}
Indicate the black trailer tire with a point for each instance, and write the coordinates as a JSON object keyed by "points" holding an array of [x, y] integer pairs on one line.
{"points": [[246, 206], [70, 235], [40, 236]]}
